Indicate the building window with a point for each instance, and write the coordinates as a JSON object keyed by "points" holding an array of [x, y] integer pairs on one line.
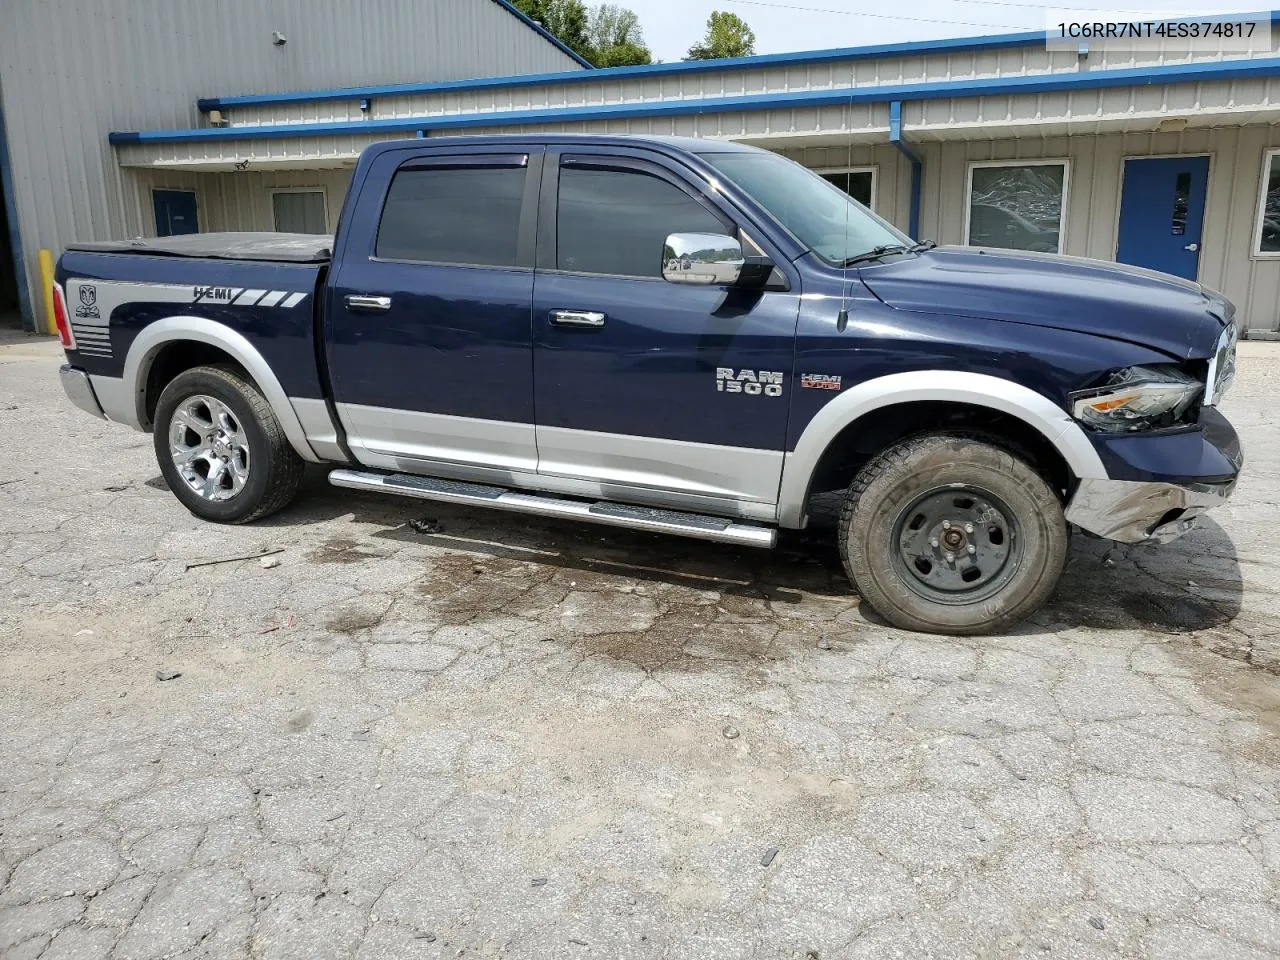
{"points": [[1267, 239], [456, 215], [299, 211], [857, 182], [1017, 206]]}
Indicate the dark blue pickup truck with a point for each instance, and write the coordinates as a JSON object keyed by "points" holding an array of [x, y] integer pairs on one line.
{"points": [[681, 336]]}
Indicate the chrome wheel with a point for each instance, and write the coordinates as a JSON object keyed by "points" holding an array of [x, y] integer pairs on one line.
{"points": [[956, 545], [209, 448]]}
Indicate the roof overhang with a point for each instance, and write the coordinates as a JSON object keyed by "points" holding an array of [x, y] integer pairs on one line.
{"points": [[679, 68], [1033, 84]]}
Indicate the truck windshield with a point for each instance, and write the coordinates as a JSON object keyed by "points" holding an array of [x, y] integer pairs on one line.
{"points": [[819, 214]]}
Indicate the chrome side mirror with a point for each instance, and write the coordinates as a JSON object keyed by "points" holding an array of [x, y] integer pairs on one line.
{"points": [[706, 259]]}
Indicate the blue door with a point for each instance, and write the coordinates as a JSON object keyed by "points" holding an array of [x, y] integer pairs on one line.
{"points": [[1162, 214], [652, 391], [175, 212]]}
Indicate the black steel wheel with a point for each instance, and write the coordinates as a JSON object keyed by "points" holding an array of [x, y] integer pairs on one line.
{"points": [[952, 534]]}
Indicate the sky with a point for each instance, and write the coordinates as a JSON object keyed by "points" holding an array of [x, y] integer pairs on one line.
{"points": [[672, 26]]}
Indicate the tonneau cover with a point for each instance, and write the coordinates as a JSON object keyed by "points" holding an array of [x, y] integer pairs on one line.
{"points": [[281, 247]]}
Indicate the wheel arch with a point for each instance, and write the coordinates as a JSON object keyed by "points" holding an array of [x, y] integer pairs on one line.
{"points": [[148, 346], [845, 411]]}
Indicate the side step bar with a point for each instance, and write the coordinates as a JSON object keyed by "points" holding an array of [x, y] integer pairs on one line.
{"points": [[611, 514]]}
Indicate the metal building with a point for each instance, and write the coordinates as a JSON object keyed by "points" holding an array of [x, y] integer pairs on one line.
{"points": [[71, 72], [1164, 158]]}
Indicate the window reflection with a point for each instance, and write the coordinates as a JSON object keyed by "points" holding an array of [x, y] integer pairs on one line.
{"points": [[1017, 206]]}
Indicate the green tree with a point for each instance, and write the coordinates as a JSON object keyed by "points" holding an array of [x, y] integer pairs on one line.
{"points": [[615, 37], [567, 20], [727, 36]]}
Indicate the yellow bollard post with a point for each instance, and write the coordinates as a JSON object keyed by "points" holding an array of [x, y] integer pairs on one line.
{"points": [[46, 281]]}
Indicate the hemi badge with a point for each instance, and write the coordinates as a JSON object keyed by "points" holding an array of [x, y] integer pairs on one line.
{"points": [[819, 381]]}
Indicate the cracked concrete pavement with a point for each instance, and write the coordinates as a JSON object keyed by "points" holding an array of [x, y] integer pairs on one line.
{"points": [[522, 738]]}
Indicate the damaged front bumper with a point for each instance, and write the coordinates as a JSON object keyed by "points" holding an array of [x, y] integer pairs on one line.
{"points": [[1158, 485], [1134, 511]]}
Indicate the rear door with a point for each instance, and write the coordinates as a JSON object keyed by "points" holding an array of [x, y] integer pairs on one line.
{"points": [[428, 328], [651, 391]]}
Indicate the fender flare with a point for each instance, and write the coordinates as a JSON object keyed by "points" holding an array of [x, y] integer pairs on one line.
{"points": [[154, 336], [974, 389]]}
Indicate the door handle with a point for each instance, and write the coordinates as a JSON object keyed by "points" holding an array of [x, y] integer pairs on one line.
{"points": [[577, 318], [363, 301], [1193, 247]]}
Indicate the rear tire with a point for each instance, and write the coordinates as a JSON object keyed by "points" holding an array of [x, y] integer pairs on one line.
{"points": [[221, 449], [951, 534]]}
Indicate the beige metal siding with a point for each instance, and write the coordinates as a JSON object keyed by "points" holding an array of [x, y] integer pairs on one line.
{"points": [[600, 88], [230, 201], [1093, 200], [73, 70]]}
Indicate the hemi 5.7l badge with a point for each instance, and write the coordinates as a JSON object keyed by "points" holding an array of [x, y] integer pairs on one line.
{"points": [[819, 381], [751, 382]]}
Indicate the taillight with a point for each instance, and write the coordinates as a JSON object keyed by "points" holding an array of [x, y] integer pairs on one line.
{"points": [[60, 318]]}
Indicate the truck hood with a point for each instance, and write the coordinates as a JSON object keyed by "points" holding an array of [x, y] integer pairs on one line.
{"points": [[1112, 300]]}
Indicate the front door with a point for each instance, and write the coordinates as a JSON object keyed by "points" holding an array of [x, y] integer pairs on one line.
{"points": [[647, 390], [175, 212], [428, 330], [1162, 214]]}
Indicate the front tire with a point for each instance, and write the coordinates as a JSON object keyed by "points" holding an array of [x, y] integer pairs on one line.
{"points": [[951, 534], [221, 449]]}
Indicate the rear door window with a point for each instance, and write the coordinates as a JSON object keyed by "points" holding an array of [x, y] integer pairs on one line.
{"points": [[453, 214]]}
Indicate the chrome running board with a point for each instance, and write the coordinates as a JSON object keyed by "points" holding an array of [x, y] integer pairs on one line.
{"points": [[649, 519]]}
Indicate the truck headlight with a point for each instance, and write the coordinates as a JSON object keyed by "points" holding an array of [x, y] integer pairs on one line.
{"points": [[1139, 398], [1222, 365]]}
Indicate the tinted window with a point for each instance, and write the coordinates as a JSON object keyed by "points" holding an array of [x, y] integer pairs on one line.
{"points": [[453, 215], [856, 183], [616, 221]]}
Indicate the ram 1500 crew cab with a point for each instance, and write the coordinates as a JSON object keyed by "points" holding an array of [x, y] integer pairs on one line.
{"points": [[669, 335]]}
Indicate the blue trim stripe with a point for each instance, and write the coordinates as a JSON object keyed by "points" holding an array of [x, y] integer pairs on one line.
{"points": [[994, 86], [605, 74], [543, 32]]}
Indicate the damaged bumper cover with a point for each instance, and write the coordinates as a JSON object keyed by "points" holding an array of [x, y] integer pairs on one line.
{"points": [[1134, 511], [1159, 484], [75, 382]]}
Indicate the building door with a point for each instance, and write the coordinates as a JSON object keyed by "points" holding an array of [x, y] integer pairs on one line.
{"points": [[299, 211], [175, 212], [9, 266], [1162, 214]]}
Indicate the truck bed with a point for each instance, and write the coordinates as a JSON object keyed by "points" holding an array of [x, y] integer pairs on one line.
{"points": [[258, 290], [268, 247]]}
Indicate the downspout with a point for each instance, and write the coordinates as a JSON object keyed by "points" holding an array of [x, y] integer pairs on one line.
{"points": [[895, 137]]}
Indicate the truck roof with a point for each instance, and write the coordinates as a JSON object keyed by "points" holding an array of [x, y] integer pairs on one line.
{"points": [[272, 247], [687, 144], [318, 248]]}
